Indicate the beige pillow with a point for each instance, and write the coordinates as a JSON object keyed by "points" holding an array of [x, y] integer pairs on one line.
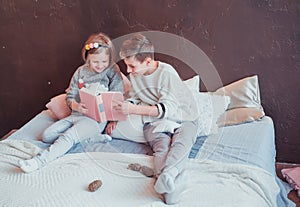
{"points": [[242, 93], [245, 105], [239, 116], [58, 106]]}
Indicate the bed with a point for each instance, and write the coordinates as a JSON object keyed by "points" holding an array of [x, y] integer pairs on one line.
{"points": [[234, 166]]}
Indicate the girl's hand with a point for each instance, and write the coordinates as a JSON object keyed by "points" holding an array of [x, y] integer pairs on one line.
{"points": [[110, 127], [80, 107]]}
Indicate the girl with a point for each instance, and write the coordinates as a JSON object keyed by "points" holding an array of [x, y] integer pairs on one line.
{"points": [[98, 54]]}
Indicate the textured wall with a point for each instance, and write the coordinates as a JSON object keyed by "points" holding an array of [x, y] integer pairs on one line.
{"points": [[40, 44]]}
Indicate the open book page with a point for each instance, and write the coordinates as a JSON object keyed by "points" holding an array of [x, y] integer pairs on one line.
{"points": [[100, 103], [109, 99], [89, 100]]}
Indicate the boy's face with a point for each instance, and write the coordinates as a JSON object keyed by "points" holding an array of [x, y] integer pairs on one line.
{"points": [[135, 67], [98, 62]]}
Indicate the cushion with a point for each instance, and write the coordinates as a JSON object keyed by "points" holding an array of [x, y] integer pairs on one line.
{"points": [[165, 125], [239, 116], [245, 104], [130, 129], [193, 83], [58, 106], [243, 93], [211, 107]]}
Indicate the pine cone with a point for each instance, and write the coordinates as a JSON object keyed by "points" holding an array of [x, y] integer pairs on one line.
{"points": [[93, 186]]}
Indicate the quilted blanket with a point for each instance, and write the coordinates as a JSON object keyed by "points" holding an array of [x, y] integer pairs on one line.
{"points": [[64, 182]]}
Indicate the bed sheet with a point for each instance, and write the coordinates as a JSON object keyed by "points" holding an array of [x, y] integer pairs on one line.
{"points": [[250, 144]]}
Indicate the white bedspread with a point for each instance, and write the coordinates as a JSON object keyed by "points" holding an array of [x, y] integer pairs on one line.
{"points": [[64, 182]]}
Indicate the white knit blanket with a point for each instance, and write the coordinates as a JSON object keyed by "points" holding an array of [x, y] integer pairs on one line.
{"points": [[64, 182]]}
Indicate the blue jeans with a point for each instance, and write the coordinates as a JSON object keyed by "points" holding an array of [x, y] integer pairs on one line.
{"points": [[65, 133]]}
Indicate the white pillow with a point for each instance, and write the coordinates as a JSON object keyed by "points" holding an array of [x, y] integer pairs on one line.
{"points": [[165, 125], [130, 129], [211, 107], [193, 84]]}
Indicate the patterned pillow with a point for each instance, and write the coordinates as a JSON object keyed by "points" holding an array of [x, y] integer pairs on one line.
{"points": [[211, 107]]}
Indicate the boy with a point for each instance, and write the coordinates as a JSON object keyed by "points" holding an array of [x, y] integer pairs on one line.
{"points": [[167, 106]]}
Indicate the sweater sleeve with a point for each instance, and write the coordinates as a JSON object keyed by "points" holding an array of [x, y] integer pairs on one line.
{"points": [[171, 86], [179, 102]]}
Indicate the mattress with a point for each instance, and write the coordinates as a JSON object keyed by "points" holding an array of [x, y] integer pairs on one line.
{"points": [[236, 166]]}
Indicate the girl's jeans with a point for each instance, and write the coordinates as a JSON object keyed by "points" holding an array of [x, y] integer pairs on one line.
{"points": [[66, 132]]}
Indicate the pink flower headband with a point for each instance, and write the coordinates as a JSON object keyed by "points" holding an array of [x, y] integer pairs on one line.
{"points": [[93, 46]]}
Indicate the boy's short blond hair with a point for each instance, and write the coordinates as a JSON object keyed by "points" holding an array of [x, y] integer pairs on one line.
{"points": [[138, 46], [103, 43]]}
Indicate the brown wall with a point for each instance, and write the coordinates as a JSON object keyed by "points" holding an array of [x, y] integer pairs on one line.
{"points": [[40, 44]]}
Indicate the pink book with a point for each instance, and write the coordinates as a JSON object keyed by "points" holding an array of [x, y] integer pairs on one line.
{"points": [[100, 106]]}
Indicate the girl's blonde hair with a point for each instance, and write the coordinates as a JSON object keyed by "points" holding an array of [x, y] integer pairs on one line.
{"points": [[96, 44]]}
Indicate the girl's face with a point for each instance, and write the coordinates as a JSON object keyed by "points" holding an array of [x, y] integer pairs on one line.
{"points": [[98, 62]]}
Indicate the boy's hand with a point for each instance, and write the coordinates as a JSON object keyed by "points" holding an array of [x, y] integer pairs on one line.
{"points": [[129, 108], [124, 107]]}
